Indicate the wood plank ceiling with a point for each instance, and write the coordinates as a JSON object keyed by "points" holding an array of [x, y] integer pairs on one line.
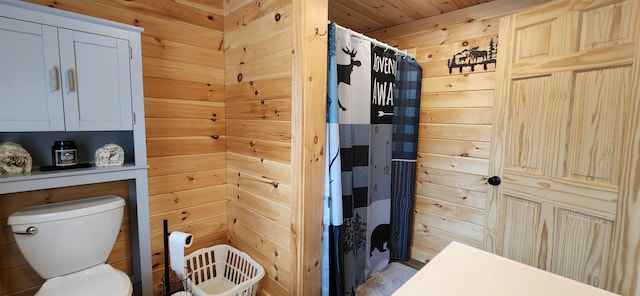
{"points": [[370, 15]]}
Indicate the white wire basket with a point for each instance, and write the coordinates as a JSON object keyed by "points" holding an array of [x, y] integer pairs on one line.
{"points": [[223, 270]]}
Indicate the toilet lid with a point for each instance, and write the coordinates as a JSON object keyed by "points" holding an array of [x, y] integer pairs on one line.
{"points": [[100, 280]]}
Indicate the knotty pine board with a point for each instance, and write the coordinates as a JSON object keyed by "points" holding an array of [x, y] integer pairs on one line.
{"points": [[460, 99], [463, 132], [475, 149], [158, 88], [452, 225], [274, 190], [259, 149], [175, 70], [479, 80], [260, 108], [267, 89], [449, 209], [457, 115], [181, 52], [454, 180], [174, 108], [266, 169], [167, 165], [465, 197], [277, 131], [187, 198], [186, 181], [170, 146]]}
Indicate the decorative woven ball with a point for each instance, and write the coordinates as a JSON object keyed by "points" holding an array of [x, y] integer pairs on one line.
{"points": [[109, 155], [14, 159]]}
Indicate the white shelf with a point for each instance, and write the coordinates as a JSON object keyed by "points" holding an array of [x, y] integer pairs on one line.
{"points": [[37, 180]]}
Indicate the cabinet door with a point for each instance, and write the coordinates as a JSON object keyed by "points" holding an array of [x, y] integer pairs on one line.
{"points": [[30, 96], [96, 82]]}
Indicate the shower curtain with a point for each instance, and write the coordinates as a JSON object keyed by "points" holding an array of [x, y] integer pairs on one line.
{"points": [[362, 183]]}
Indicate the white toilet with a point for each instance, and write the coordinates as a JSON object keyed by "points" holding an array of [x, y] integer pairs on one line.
{"points": [[68, 243]]}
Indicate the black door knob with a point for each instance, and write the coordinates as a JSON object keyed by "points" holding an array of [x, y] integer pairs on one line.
{"points": [[495, 180]]}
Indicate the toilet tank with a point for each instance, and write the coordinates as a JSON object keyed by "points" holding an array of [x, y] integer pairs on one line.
{"points": [[67, 236]]}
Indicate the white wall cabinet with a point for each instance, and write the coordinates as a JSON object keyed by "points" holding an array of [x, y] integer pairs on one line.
{"points": [[66, 76], [58, 79]]}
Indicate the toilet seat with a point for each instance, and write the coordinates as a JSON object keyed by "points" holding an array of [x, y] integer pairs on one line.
{"points": [[100, 280]]}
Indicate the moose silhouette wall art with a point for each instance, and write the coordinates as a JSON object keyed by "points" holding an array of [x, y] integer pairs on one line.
{"points": [[473, 57]]}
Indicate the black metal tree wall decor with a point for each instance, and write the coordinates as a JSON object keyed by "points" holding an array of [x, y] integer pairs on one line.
{"points": [[474, 56]]}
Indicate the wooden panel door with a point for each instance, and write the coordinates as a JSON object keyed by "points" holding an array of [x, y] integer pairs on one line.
{"points": [[96, 82], [565, 142], [30, 96]]}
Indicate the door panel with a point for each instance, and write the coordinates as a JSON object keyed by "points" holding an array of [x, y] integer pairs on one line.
{"points": [[564, 142], [520, 235], [583, 246], [607, 25], [595, 148], [527, 124]]}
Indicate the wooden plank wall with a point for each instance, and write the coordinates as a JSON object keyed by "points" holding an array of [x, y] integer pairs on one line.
{"points": [[183, 64], [258, 67], [455, 124], [16, 276]]}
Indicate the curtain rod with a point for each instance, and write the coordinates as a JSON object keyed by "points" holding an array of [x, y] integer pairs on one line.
{"points": [[375, 41]]}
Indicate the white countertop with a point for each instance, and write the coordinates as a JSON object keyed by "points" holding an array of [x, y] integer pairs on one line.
{"points": [[463, 270]]}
